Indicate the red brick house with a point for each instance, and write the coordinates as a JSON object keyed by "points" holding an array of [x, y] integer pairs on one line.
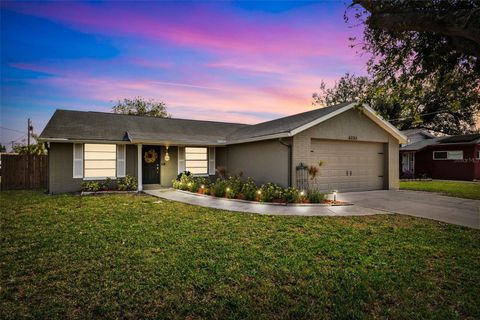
{"points": [[449, 158]]}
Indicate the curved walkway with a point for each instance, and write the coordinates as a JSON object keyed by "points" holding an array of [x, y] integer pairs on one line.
{"points": [[261, 208]]}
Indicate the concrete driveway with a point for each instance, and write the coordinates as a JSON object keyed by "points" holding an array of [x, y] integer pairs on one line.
{"points": [[428, 205]]}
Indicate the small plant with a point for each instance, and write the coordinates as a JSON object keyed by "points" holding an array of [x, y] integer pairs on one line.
{"points": [[106, 185], [218, 188], [233, 187], [91, 186], [291, 195], [127, 183], [270, 192], [222, 172], [249, 189], [315, 196], [187, 173], [184, 181], [312, 171]]}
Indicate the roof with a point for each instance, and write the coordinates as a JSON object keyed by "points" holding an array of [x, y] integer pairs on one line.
{"points": [[102, 126], [442, 141], [68, 125], [282, 125], [411, 132]]}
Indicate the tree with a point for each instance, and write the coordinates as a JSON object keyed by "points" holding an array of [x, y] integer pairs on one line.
{"points": [[446, 106], [141, 106], [426, 52], [37, 148], [348, 88], [3, 148]]}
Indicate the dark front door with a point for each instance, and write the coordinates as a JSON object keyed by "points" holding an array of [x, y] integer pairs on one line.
{"points": [[151, 164]]}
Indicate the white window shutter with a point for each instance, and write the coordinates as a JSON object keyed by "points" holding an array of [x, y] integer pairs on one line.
{"points": [[211, 161], [77, 160], [181, 159], [121, 160]]}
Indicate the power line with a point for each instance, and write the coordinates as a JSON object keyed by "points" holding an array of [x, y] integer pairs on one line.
{"points": [[11, 129]]}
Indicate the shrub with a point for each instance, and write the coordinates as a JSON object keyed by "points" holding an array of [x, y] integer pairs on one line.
{"points": [[233, 187], [127, 183], [270, 192], [106, 185], [291, 195], [218, 188], [91, 186], [249, 189], [184, 181], [315, 196]]}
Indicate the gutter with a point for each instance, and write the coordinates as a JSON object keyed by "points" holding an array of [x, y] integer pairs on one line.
{"points": [[289, 146]]}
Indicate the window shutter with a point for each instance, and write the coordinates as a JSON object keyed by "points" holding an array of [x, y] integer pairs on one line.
{"points": [[211, 161], [181, 159], [121, 160], [77, 160]]}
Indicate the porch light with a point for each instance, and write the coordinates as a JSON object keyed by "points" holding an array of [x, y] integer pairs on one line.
{"points": [[167, 156]]}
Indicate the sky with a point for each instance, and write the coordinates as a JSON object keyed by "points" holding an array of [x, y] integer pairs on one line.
{"points": [[244, 62]]}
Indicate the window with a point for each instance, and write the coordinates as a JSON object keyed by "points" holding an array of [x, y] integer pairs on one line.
{"points": [[100, 161], [448, 155], [196, 160]]}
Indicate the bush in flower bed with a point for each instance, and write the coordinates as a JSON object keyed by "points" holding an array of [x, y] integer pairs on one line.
{"points": [[126, 183], [236, 188]]}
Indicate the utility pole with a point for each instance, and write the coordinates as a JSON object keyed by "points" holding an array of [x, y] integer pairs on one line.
{"points": [[29, 128]]}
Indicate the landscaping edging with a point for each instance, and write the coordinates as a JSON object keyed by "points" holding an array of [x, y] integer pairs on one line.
{"points": [[269, 203], [99, 193]]}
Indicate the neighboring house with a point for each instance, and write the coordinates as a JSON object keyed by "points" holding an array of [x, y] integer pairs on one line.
{"points": [[415, 135], [449, 157], [357, 149]]}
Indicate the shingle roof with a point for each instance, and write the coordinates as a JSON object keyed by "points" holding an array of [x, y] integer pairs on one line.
{"points": [[282, 125], [458, 139], [101, 126], [79, 125]]}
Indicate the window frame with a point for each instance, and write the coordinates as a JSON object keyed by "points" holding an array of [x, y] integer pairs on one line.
{"points": [[206, 174], [102, 177], [448, 155]]}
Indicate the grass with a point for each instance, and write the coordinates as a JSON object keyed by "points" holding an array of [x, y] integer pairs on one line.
{"points": [[467, 190], [129, 256]]}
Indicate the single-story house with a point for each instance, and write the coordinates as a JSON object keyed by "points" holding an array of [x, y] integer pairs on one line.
{"points": [[415, 135], [353, 148], [448, 157]]}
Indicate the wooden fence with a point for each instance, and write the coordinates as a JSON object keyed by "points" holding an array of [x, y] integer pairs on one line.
{"points": [[24, 172]]}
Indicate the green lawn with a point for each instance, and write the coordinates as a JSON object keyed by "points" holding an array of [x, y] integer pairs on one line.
{"points": [[126, 256], [468, 190]]}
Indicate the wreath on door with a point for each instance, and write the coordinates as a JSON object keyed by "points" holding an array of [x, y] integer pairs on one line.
{"points": [[150, 156]]}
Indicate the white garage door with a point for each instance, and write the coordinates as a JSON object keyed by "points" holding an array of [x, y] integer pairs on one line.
{"points": [[348, 165]]}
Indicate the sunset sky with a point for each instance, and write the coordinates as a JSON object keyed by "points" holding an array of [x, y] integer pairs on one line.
{"points": [[226, 61]]}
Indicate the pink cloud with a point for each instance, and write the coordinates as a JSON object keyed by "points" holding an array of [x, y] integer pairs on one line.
{"points": [[217, 31]]}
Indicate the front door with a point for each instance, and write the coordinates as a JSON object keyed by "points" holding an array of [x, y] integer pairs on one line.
{"points": [[151, 165]]}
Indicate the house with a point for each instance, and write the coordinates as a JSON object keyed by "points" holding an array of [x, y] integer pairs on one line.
{"points": [[415, 135], [353, 148], [448, 157]]}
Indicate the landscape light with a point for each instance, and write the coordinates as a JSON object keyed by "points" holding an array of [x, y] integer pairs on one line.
{"points": [[189, 184], [334, 195], [228, 189], [259, 192], [302, 193], [202, 186]]}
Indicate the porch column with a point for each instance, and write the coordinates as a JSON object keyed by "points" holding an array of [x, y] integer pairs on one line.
{"points": [[139, 167]]}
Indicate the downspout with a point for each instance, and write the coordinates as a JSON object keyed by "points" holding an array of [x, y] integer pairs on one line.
{"points": [[289, 146]]}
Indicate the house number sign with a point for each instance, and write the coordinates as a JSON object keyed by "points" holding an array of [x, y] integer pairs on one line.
{"points": [[352, 137]]}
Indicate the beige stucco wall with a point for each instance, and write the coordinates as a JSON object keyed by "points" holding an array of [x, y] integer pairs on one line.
{"points": [[341, 127], [266, 161], [168, 169]]}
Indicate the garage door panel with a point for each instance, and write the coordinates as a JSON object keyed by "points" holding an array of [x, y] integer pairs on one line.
{"points": [[363, 159]]}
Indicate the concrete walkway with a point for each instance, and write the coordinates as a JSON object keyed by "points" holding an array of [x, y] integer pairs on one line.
{"points": [[428, 205], [253, 207]]}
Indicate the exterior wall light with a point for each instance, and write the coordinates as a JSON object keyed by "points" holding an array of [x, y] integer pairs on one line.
{"points": [[167, 156]]}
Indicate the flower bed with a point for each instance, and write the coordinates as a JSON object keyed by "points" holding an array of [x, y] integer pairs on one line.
{"points": [[236, 188], [127, 184]]}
